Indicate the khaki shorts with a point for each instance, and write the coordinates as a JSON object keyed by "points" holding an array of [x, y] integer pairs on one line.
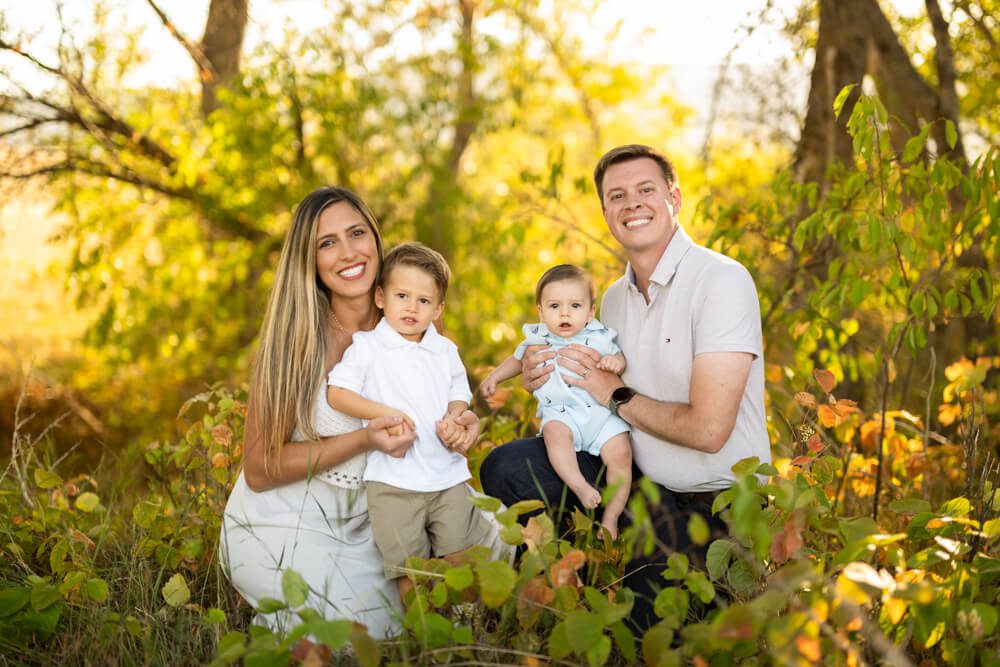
{"points": [[417, 523]]}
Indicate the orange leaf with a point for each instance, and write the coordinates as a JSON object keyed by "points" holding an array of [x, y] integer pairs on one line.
{"points": [[786, 543], [535, 533], [805, 399], [564, 571], [222, 434], [825, 379], [828, 416], [220, 460], [699, 661], [808, 648], [802, 461], [772, 372], [815, 443]]}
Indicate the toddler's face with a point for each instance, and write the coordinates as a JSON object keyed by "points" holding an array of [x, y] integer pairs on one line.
{"points": [[565, 307], [409, 301]]}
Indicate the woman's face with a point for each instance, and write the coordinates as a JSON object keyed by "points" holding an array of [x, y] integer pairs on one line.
{"points": [[347, 260]]}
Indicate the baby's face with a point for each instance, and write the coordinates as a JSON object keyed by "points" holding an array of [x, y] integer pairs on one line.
{"points": [[565, 307]]}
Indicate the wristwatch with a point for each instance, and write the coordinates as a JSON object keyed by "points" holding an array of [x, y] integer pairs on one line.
{"points": [[619, 397]]}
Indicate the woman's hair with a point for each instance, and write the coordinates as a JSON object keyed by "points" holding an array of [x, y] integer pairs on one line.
{"points": [[291, 353], [563, 272], [420, 257]]}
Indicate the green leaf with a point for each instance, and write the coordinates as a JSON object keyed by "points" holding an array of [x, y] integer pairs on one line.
{"points": [[97, 589], [720, 553], [176, 591], [439, 595], [956, 507], [559, 646], [46, 479], [656, 646], [950, 134], [598, 654], [44, 595], [294, 588], [671, 604], [699, 584], [87, 502], [13, 600], [486, 503], [583, 629], [215, 616], [915, 146], [698, 529], [838, 102], [332, 633], [609, 612], [991, 528], [747, 466], [42, 622], [459, 578], [625, 641], [677, 566], [496, 582], [909, 506], [133, 626]]}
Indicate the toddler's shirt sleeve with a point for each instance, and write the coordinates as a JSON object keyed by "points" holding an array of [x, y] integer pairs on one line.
{"points": [[351, 371]]}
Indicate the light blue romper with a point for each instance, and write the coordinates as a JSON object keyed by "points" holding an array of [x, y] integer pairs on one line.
{"points": [[592, 424]]}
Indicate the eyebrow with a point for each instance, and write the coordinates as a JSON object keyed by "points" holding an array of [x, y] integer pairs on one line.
{"points": [[349, 229], [638, 185]]}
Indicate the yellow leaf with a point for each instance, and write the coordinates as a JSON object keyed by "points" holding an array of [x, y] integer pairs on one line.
{"points": [[828, 416], [808, 648], [87, 502], [894, 609], [176, 592], [772, 372]]}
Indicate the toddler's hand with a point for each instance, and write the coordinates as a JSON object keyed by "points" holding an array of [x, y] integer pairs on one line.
{"points": [[406, 426], [488, 387], [612, 364]]}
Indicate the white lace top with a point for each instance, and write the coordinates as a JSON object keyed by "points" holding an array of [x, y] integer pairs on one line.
{"points": [[331, 422]]}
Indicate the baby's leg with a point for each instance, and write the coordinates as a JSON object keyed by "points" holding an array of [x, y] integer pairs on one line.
{"points": [[616, 454], [559, 446]]}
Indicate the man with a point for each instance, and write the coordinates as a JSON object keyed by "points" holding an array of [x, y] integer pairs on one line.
{"points": [[688, 321]]}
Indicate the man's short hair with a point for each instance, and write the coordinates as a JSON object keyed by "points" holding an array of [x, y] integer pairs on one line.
{"points": [[419, 256], [627, 153], [561, 272]]}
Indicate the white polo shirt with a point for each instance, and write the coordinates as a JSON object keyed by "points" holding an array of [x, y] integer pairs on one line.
{"points": [[420, 379], [699, 301]]}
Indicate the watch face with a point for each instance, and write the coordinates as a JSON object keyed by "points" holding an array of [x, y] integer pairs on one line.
{"points": [[622, 394]]}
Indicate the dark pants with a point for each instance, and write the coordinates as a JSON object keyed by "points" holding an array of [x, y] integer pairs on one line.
{"points": [[520, 470]]}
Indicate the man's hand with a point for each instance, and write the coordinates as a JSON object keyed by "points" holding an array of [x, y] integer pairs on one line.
{"points": [[458, 433], [583, 361], [532, 370], [381, 437]]}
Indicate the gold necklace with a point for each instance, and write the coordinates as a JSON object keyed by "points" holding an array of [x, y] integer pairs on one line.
{"points": [[341, 326]]}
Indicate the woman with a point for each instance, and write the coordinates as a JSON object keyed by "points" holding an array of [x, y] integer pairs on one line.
{"points": [[298, 503]]}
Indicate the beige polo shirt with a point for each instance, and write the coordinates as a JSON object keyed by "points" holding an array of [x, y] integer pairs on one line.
{"points": [[699, 301]]}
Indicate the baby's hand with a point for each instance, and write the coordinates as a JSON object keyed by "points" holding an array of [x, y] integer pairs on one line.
{"points": [[612, 363], [488, 387]]}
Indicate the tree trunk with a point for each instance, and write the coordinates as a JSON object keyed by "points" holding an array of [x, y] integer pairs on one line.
{"points": [[222, 44]]}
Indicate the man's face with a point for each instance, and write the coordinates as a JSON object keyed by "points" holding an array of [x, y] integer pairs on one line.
{"points": [[639, 207]]}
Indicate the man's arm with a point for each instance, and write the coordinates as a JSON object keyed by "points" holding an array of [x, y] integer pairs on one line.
{"points": [[704, 423], [354, 404]]}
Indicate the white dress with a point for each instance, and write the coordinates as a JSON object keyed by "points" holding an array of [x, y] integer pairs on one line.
{"points": [[318, 527]]}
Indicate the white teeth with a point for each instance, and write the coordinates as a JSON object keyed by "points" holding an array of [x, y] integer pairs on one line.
{"points": [[629, 224], [352, 271]]}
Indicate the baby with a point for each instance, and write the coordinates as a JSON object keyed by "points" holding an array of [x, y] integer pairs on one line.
{"points": [[572, 421]]}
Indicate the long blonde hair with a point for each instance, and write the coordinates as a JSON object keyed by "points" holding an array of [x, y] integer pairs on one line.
{"points": [[291, 355]]}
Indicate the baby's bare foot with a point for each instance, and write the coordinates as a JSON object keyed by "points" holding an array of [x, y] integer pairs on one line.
{"points": [[588, 495]]}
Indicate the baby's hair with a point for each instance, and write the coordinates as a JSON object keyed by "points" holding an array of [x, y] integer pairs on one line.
{"points": [[421, 257], [562, 272]]}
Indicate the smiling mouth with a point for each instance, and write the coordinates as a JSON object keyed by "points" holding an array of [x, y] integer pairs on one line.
{"points": [[352, 272], [638, 222]]}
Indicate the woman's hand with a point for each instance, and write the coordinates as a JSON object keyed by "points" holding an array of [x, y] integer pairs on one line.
{"points": [[459, 433], [532, 370], [583, 360], [381, 436]]}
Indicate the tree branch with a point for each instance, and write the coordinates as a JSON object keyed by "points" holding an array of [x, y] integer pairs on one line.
{"points": [[206, 72]]}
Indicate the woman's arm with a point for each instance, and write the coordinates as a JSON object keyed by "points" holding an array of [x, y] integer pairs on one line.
{"points": [[299, 460]]}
